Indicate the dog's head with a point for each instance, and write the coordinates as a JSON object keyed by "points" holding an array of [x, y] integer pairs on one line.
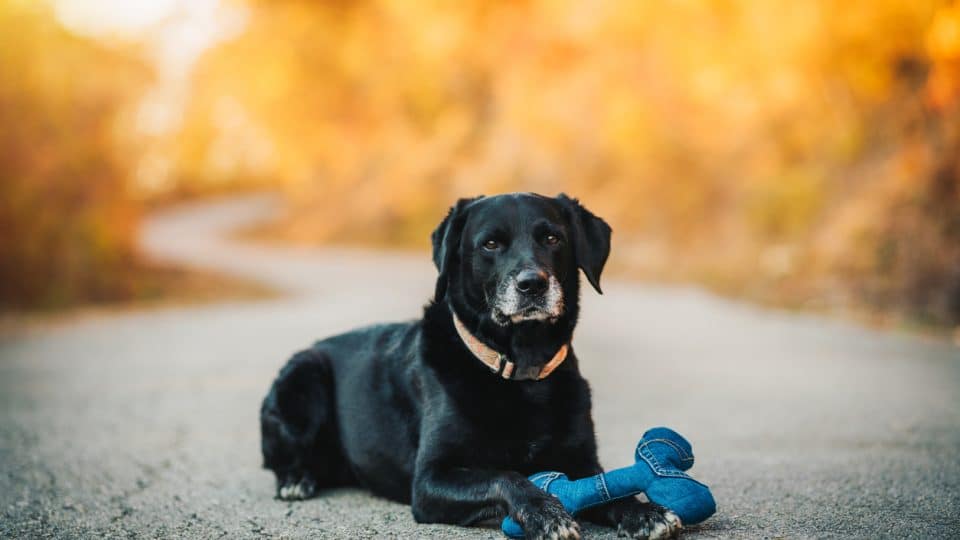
{"points": [[514, 258]]}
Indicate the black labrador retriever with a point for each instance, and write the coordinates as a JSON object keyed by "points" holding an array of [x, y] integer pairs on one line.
{"points": [[452, 412]]}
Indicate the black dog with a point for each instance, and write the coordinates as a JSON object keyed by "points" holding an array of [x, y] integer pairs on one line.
{"points": [[452, 412]]}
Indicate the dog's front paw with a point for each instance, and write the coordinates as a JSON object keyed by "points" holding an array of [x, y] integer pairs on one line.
{"points": [[546, 519], [649, 522], [296, 488]]}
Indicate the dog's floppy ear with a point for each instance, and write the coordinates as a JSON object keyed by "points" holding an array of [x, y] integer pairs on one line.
{"points": [[446, 242], [591, 239]]}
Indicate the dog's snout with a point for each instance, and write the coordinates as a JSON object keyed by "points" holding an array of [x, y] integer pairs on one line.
{"points": [[532, 281]]}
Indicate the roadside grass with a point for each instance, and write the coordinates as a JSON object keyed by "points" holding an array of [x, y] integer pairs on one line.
{"points": [[153, 286]]}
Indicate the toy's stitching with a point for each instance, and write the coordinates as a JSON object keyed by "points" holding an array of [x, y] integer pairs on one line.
{"points": [[535, 478], [684, 455], [658, 469], [651, 459], [551, 477], [602, 484]]}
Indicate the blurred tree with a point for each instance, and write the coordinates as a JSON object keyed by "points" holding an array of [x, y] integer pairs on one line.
{"points": [[66, 224], [800, 150]]}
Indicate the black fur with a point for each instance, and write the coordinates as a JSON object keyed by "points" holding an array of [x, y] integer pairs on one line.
{"points": [[406, 411]]}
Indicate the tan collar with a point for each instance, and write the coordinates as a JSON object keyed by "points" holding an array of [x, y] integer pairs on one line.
{"points": [[498, 362]]}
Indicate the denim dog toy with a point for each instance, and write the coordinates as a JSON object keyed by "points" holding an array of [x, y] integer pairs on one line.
{"points": [[661, 457]]}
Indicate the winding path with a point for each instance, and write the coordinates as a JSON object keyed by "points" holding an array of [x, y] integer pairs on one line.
{"points": [[144, 423]]}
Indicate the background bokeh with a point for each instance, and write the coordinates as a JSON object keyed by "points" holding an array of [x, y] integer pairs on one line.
{"points": [[805, 154]]}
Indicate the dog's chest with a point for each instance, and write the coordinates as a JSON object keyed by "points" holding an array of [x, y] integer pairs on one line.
{"points": [[534, 450], [523, 431], [519, 446], [511, 453]]}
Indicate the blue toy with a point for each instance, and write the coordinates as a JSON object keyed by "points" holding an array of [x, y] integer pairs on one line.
{"points": [[661, 457]]}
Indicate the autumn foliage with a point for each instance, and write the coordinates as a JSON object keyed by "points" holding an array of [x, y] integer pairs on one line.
{"points": [[805, 153], [67, 224]]}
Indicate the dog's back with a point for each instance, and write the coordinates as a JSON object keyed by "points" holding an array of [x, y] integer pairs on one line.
{"points": [[344, 404]]}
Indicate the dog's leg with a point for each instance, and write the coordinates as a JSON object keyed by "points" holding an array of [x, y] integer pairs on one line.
{"points": [[631, 517], [298, 428], [464, 496], [635, 519]]}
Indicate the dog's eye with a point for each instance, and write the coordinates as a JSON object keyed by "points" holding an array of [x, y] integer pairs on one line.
{"points": [[552, 239], [491, 245]]}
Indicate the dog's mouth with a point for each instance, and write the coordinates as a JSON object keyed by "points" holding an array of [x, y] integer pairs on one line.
{"points": [[513, 308], [531, 313]]}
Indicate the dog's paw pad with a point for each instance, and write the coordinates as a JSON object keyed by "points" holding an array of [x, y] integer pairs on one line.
{"points": [[551, 522], [561, 530], [673, 520], [566, 531], [297, 490], [668, 528], [651, 523]]}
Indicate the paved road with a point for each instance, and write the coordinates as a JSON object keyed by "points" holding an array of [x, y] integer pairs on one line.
{"points": [[144, 423]]}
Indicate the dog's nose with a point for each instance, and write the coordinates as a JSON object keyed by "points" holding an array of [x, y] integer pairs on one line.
{"points": [[532, 281]]}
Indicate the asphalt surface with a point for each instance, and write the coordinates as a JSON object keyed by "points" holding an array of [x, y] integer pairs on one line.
{"points": [[144, 423]]}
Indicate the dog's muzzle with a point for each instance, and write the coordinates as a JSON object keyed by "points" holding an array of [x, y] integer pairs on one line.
{"points": [[530, 295]]}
